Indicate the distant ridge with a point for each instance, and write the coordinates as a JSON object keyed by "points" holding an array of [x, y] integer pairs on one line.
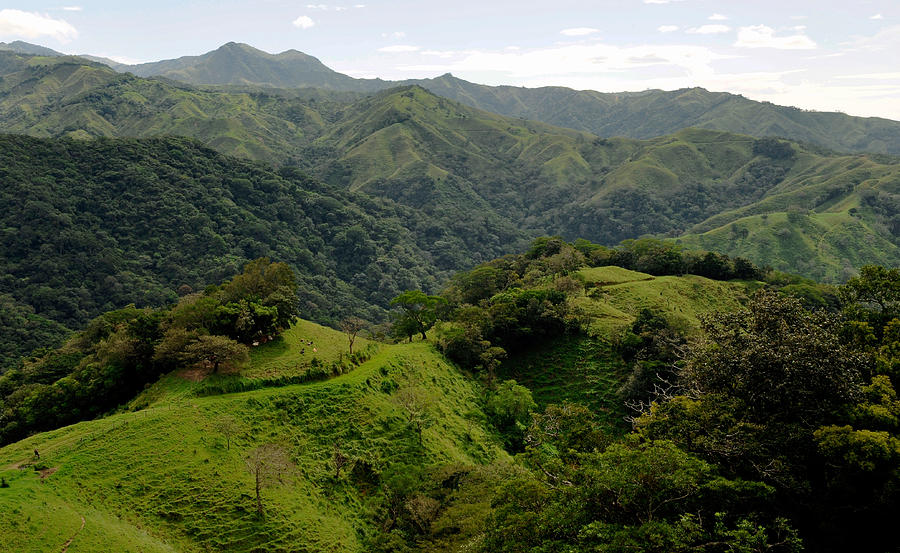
{"points": [[21, 47], [235, 63], [645, 114]]}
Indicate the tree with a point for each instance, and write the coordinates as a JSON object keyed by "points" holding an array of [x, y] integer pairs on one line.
{"points": [[227, 426], [352, 327], [778, 360], [418, 312], [216, 350], [490, 360], [269, 464], [873, 296], [510, 408], [414, 402], [339, 460]]}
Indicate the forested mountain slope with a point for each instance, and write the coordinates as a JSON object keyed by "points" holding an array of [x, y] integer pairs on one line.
{"points": [[92, 226], [471, 169], [653, 113], [644, 114]]}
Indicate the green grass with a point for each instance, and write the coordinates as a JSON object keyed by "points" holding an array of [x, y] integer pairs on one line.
{"points": [[604, 276], [576, 368], [163, 479], [291, 353], [587, 368]]}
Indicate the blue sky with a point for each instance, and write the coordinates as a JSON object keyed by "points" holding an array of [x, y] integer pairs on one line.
{"points": [[823, 55]]}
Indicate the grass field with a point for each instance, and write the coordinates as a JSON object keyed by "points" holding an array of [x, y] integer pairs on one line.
{"points": [[586, 368], [165, 478]]}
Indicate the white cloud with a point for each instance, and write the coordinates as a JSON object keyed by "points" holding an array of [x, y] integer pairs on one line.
{"points": [[16, 23], [123, 59], [709, 30], [359, 5], [304, 22], [72, 8], [798, 28], [877, 16], [326, 7], [667, 28], [395, 34], [397, 48], [761, 36], [872, 76], [718, 17], [660, 1], [579, 31], [569, 63], [885, 39]]}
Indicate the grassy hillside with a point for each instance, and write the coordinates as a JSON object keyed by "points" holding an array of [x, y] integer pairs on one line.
{"points": [[653, 113], [484, 182], [587, 367], [639, 115], [163, 478]]}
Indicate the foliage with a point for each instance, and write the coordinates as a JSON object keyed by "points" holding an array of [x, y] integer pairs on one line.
{"points": [[216, 351], [509, 408], [632, 496], [417, 312], [122, 351]]}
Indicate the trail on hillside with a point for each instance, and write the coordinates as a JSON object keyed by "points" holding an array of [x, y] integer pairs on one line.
{"points": [[66, 545]]}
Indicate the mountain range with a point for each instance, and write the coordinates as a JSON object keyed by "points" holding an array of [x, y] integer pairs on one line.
{"points": [[644, 114], [469, 169]]}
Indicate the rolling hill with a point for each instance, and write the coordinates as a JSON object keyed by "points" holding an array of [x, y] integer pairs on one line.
{"points": [[166, 473], [641, 115], [162, 477], [483, 179]]}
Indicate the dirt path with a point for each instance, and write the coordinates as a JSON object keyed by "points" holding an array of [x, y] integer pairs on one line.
{"points": [[66, 545]]}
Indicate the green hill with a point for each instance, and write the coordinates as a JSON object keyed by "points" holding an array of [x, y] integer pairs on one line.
{"points": [[639, 115], [164, 478], [654, 113], [484, 182], [92, 226], [235, 63]]}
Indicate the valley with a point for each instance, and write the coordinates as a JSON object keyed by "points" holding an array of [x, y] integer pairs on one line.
{"points": [[250, 303]]}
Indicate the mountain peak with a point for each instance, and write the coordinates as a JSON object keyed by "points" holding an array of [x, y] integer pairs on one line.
{"points": [[22, 47]]}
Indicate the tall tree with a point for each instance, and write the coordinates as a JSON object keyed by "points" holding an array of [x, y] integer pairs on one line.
{"points": [[269, 464], [352, 326], [418, 312]]}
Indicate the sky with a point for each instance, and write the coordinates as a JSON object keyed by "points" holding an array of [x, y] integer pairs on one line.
{"points": [[820, 55]]}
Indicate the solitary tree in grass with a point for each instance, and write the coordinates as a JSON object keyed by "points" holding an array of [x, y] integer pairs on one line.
{"points": [[269, 464], [418, 312], [228, 427], [352, 326], [216, 350], [414, 402]]}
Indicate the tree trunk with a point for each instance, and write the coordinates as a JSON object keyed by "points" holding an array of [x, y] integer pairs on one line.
{"points": [[259, 508]]}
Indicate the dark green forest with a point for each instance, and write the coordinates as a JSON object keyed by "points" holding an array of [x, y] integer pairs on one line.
{"points": [[93, 226]]}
